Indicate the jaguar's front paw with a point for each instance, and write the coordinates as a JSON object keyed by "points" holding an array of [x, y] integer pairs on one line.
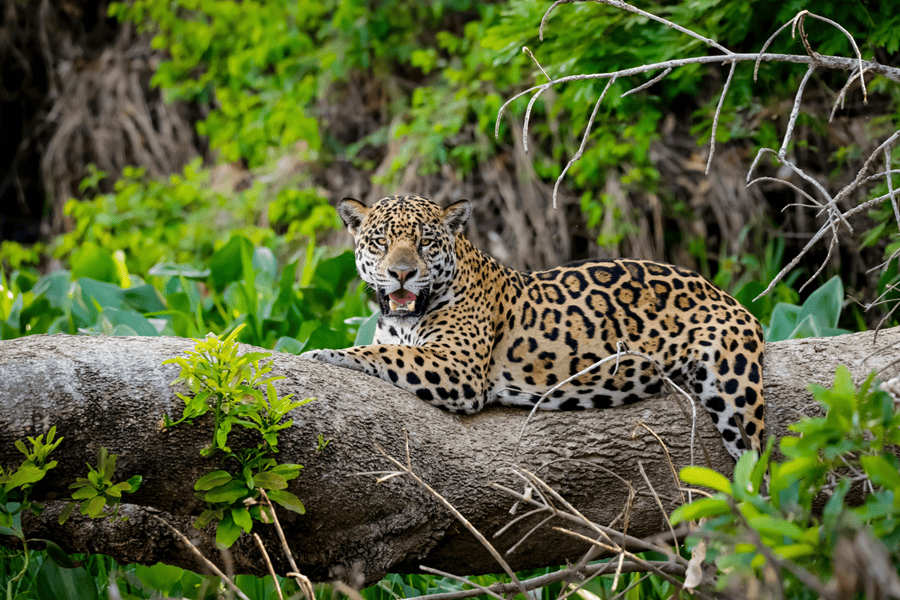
{"points": [[311, 355]]}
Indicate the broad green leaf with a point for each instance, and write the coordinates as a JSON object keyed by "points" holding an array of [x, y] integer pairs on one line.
{"points": [[58, 555], [160, 577], [126, 322], [143, 298], [206, 516], [705, 507], [93, 508], [242, 518], [705, 477], [882, 472], [94, 262], [225, 264], [783, 322], [213, 480], [85, 492], [287, 500], [366, 332], [774, 526], [288, 345], [25, 474], [743, 470], [227, 531], [824, 304], [52, 582], [793, 551], [229, 492], [66, 512], [269, 480]]}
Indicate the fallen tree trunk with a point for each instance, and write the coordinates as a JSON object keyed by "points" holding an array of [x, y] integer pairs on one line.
{"points": [[113, 392]]}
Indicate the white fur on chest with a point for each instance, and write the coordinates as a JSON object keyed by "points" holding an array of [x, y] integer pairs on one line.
{"points": [[394, 331]]}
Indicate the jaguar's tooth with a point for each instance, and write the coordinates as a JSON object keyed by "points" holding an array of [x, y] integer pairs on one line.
{"points": [[411, 306], [393, 304]]}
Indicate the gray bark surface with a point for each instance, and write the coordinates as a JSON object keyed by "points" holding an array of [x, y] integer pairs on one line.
{"points": [[113, 392]]}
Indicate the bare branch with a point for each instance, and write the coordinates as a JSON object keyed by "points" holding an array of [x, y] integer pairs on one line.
{"points": [[627, 7], [468, 525], [587, 132], [712, 137], [644, 86]]}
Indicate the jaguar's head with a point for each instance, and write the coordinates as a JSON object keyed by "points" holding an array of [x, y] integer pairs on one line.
{"points": [[405, 249]]}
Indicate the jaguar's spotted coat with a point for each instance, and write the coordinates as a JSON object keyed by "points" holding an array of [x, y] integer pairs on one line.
{"points": [[462, 331]]}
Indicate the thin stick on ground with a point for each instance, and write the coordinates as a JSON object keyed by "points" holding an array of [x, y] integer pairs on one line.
{"points": [[468, 525], [305, 584], [209, 564], [271, 569]]}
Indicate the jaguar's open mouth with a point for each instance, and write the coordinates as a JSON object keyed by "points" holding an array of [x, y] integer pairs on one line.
{"points": [[402, 303]]}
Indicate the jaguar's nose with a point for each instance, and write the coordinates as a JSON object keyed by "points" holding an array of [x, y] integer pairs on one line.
{"points": [[401, 275]]}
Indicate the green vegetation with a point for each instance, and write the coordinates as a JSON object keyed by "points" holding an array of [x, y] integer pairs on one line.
{"points": [[782, 539], [98, 493], [277, 80], [229, 385]]}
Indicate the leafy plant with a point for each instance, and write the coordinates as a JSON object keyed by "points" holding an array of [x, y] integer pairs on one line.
{"points": [[182, 219], [97, 494], [227, 384], [817, 317], [785, 538], [15, 487], [16, 484]]}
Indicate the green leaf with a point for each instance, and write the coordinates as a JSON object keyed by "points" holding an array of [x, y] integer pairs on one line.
{"points": [[366, 332], [135, 482], [160, 577], [743, 471], [287, 500], [227, 531], [225, 265], [230, 492], [705, 507], [66, 512], [58, 555], [824, 304], [705, 477], [882, 471], [288, 345], [206, 516], [53, 582], [93, 508], [213, 480], [24, 475], [269, 480], [85, 492], [94, 262], [777, 527], [242, 518], [118, 320]]}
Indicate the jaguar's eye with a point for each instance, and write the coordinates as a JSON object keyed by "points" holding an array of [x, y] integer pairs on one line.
{"points": [[380, 241], [425, 241]]}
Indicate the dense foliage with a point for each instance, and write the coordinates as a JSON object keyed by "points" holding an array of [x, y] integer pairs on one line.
{"points": [[394, 85], [782, 538]]}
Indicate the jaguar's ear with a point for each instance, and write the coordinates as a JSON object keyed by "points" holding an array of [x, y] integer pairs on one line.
{"points": [[352, 213], [456, 215]]}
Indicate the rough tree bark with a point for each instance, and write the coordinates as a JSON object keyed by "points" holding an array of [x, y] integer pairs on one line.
{"points": [[113, 392]]}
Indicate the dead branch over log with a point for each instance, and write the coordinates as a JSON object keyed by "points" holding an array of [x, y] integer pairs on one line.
{"points": [[113, 392]]}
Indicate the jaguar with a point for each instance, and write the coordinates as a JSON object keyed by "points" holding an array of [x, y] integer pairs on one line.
{"points": [[461, 331]]}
